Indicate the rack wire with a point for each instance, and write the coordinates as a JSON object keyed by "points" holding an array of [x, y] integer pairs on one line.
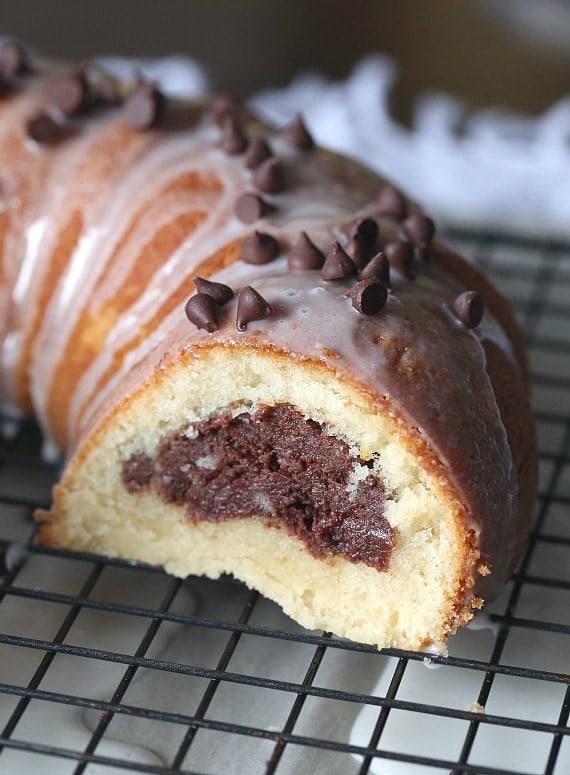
{"points": [[113, 667]]}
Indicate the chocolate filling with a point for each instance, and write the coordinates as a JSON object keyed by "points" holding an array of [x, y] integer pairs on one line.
{"points": [[274, 464]]}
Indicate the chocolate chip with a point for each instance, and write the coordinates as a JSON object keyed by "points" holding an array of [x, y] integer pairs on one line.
{"points": [[71, 92], [269, 177], [363, 234], [391, 202], [43, 128], [378, 268], [305, 254], [233, 139], [218, 291], [107, 89], [250, 306], [202, 310], [419, 230], [224, 105], [249, 208], [400, 255], [259, 248], [14, 60], [6, 87], [469, 308], [258, 150], [368, 296], [338, 264], [145, 107], [297, 134]]}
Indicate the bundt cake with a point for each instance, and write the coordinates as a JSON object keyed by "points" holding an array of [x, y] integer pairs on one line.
{"points": [[259, 358]]}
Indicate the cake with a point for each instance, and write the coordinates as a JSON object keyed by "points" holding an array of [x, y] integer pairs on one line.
{"points": [[259, 358]]}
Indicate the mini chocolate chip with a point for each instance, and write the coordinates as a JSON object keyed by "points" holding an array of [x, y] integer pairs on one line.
{"points": [[469, 308], [71, 92], [233, 139], [6, 87], [258, 150], [224, 105], [43, 128], [400, 255], [368, 296], [391, 202], [378, 268], [250, 306], [338, 264], [259, 248], [218, 291], [14, 60], [305, 254], [419, 229], [269, 177], [249, 208], [296, 134], [365, 230], [144, 109], [107, 89], [202, 310]]}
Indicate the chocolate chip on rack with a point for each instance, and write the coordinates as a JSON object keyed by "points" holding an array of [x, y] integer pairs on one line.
{"points": [[14, 60], [391, 202], [71, 92], [202, 310], [400, 255], [233, 140], [220, 292], [269, 176], [259, 248], [249, 208], [250, 306], [305, 254], [368, 296], [469, 308], [144, 109], [45, 129], [419, 229], [377, 268], [338, 264], [297, 134], [257, 151]]}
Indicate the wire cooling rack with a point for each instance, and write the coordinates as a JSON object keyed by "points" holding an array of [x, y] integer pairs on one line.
{"points": [[109, 667]]}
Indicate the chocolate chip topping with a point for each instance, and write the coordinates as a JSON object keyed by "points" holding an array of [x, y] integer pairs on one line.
{"points": [[144, 109], [258, 150], [297, 134], [250, 306], [45, 129], [391, 202], [249, 208], [259, 248], [363, 234], [419, 229], [71, 92], [233, 139], [305, 254], [400, 255], [224, 105], [377, 268], [368, 296], [14, 60], [202, 310], [6, 87], [469, 308], [107, 88], [269, 177], [338, 264], [218, 291]]}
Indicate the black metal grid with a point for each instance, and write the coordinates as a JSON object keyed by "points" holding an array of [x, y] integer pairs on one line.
{"points": [[107, 666]]}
